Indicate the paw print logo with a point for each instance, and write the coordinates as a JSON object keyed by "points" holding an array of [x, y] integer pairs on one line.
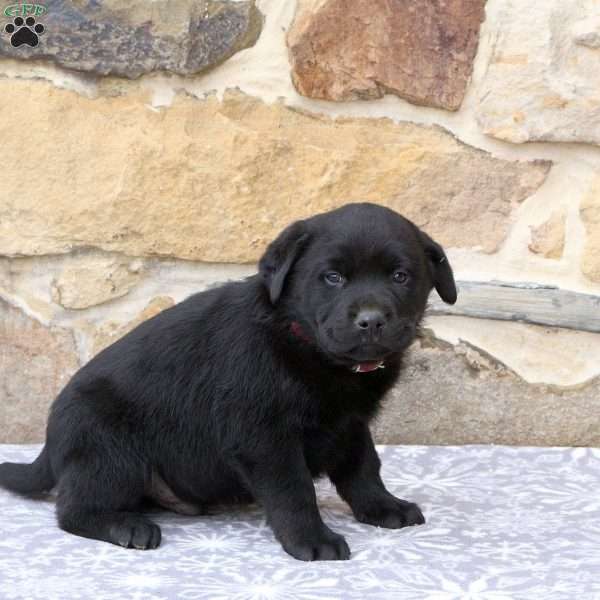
{"points": [[24, 31]]}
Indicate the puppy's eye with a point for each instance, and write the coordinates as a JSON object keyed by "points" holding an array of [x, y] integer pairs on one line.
{"points": [[334, 278], [400, 276]]}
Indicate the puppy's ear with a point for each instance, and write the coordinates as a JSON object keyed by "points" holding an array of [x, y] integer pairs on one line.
{"points": [[280, 257], [443, 278]]}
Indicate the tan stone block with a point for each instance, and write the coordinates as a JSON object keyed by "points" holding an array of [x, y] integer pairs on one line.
{"points": [[590, 214], [216, 181], [548, 239], [85, 280]]}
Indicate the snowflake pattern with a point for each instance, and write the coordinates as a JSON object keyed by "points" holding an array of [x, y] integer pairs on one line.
{"points": [[502, 524]]}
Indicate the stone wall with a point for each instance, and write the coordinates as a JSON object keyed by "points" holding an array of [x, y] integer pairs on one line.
{"points": [[153, 151]]}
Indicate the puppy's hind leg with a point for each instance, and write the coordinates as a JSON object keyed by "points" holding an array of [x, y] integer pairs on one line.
{"points": [[96, 500]]}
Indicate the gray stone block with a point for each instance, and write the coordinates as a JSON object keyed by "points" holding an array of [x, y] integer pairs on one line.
{"points": [[457, 395], [111, 38]]}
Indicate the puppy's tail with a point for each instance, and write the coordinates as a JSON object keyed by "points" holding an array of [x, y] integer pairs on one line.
{"points": [[28, 479]]}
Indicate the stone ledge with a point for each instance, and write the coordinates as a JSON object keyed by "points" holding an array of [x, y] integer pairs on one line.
{"points": [[522, 302]]}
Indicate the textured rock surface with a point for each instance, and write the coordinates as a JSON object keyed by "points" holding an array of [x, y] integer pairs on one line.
{"points": [[538, 354], [109, 37], [216, 181], [110, 332], [548, 239], [543, 77], [35, 363], [448, 397], [421, 50], [13, 274], [87, 281], [590, 214]]}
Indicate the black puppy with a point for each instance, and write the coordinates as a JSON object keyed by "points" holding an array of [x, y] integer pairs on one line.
{"points": [[248, 391]]}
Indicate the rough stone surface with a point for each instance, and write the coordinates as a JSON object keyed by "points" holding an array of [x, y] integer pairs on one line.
{"points": [[36, 298], [35, 363], [590, 214], [421, 50], [537, 354], [548, 239], [110, 37], [586, 32], [543, 77], [216, 181], [464, 397], [110, 332], [86, 281]]}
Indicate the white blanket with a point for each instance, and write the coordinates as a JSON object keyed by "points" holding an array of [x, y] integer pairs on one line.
{"points": [[502, 523]]}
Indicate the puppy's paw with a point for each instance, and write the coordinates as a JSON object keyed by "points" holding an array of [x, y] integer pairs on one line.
{"points": [[136, 532], [323, 546], [391, 513]]}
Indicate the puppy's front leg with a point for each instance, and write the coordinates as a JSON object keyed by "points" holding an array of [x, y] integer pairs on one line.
{"points": [[280, 480], [357, 480]]}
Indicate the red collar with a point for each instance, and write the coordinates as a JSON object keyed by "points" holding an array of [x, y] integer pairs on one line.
{"points": [[297, 331], [365, 367]]}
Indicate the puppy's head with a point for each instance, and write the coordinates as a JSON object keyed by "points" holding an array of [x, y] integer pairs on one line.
{"points": [[355, 281]]}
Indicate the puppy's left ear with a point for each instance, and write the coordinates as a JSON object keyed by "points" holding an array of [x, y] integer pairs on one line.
{"points": [[443, 278], [280, 256]]}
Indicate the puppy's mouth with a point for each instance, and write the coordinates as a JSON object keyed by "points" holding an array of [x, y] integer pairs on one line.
{"points": [[366, 358], [362, 358], [368, 367], [369, 356]]}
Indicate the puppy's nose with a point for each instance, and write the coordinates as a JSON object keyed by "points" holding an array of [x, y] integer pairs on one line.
{"points": [[370, 321]]}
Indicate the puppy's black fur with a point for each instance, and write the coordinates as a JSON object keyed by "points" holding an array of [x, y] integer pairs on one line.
{"points": [[248, 391]]}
